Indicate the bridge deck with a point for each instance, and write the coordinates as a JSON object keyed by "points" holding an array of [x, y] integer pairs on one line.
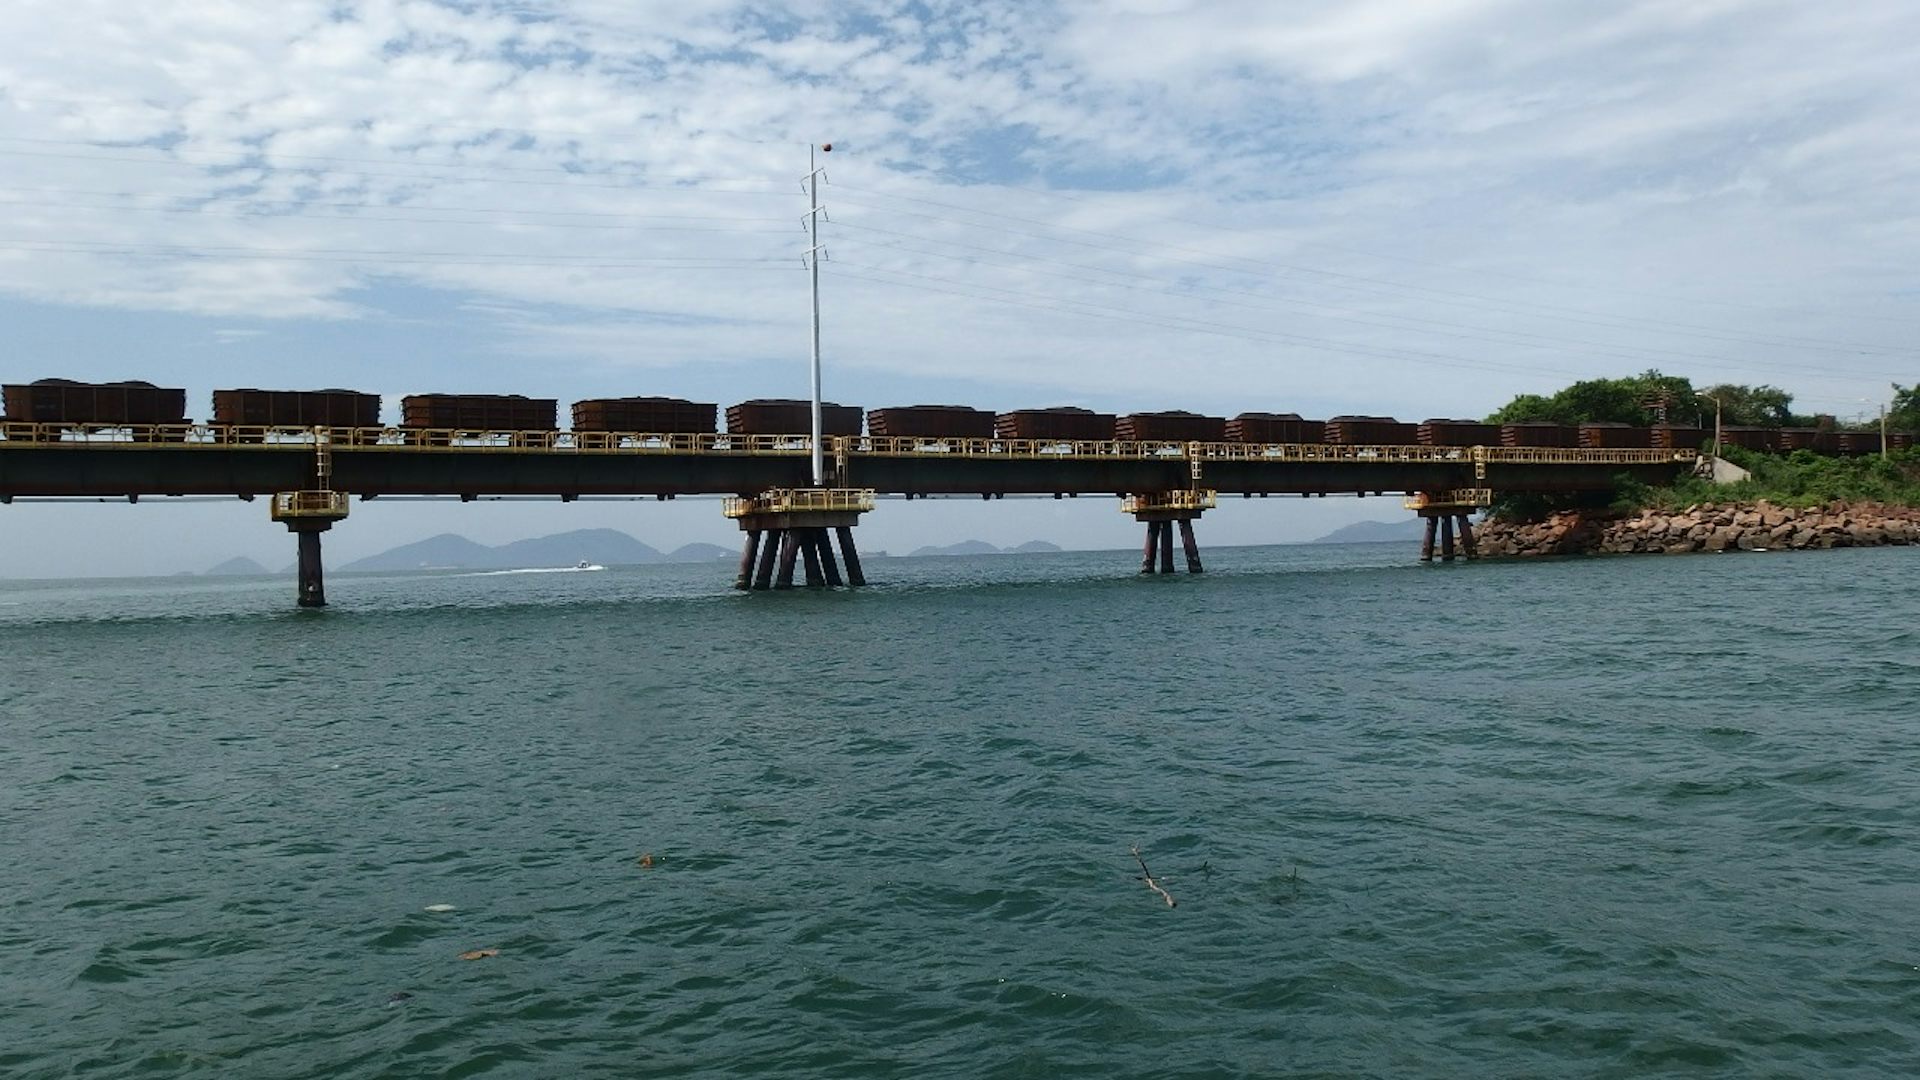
{"points": [[43, 460]]}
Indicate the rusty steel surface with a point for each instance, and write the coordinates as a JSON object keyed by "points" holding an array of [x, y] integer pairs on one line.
{"points": [[711, 465]]}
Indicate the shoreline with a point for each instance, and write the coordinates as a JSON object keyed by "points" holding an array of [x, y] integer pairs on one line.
{"points": [[1703, 527]]}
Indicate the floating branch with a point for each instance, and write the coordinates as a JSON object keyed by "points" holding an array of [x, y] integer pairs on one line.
{"points": [[1148, 875]]}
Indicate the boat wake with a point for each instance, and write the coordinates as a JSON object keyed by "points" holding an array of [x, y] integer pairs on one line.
{"points": [[580, 569]]}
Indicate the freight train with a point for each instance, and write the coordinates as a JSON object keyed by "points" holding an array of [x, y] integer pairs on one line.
{"points": [[47, 408]]}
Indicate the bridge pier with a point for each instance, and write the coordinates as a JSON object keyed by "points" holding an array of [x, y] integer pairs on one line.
{"points": [[1444, 511], [1161, 512], [307, 514], [789, 528]]}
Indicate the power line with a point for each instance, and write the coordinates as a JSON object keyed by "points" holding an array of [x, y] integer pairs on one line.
{"points": [[264, 152], [286, 216], [1455, 267], [270, 168], [1110, 313], [1362, 283], [395, 258], [1636, 354], [295, 204]]}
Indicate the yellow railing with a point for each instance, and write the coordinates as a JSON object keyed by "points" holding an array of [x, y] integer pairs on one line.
{"points": [[801, 500], [1045, 449], [636, 442], [1459, 497], [309, 504], [1169, 500]]}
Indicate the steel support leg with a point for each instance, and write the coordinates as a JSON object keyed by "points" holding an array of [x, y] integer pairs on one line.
{"points": [[1426, 542], [1153, 546], [1166, 547], [313, 589], [744, 579], [1193, 548], [810, 553], [825, 543], [789, 548], [1467, 542], [769, 550], [1446, 538], [852, 555]]}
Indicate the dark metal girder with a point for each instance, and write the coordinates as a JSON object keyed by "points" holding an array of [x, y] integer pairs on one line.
{"points": [[117, 470]]}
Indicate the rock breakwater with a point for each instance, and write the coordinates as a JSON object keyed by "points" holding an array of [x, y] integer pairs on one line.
{"points": [[1757, 526]]}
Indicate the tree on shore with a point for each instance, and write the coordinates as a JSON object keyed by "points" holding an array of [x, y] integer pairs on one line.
{"points": [[1904, 413], [1642, 400]]}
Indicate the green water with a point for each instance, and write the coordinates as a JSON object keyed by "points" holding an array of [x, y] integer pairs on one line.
{"points": [[1622, 817]]}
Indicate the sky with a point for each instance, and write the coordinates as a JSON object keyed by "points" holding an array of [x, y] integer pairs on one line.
{"points": [[1415, 209]]}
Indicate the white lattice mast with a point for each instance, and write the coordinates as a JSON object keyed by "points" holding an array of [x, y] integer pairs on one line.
{"points": [[814, 253]]}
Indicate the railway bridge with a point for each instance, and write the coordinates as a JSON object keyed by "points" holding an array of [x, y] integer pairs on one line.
{"points": [[310, 475]]}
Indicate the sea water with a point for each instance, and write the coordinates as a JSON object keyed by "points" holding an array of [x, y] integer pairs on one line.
{"points": [[1589, 817]]}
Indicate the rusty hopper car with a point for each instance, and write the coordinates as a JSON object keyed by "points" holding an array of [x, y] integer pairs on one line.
{"points": [[1173, 426], [1265, 427], [1614, 436], [649, 415], [1064, 422], [1899, 440], [296, 408], [1539, 433], [786, 416], [1458, 433], [930, 422], [1676, 437], [64, 401], [478, 412], [1858, 443], [1371, 431], [1752, 438], [1819, 440]]}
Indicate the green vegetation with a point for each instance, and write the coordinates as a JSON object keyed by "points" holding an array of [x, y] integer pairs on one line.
{"points": [[1904, 413], [1641, 399], [1800, 479], [1636, 400]]}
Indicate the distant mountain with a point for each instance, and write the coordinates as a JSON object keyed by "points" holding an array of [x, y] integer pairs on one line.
{"points": [[448, 551], [964, 547], [606, 547], [236, 567], [981, 547], [699, 553], [434, 553], [1373, 532]]}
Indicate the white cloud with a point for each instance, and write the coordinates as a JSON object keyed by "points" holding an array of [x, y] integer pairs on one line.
{"points": [[1414, 208]]}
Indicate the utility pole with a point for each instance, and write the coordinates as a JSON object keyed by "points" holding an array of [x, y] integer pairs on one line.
{"points": [[1883, 431], [1717, 451], [814, 252]]}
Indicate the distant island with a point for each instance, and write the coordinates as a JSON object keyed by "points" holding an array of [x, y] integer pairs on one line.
{"points": [[237, 567], [981, 547], [601, 547], [1373, 532]]}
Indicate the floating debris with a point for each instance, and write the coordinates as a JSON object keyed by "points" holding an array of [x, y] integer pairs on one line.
{"points": [[399, 997], [646, 862], [1148, 876], [438, 908], [479, 954]]}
